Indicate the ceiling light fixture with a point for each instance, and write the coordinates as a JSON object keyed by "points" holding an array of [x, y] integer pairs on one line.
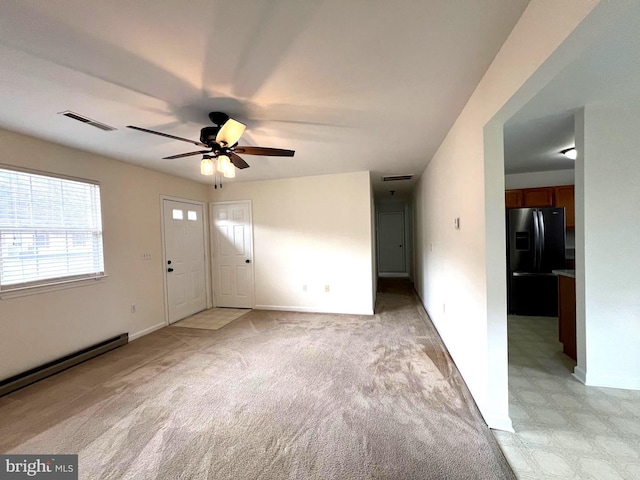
{"points": [[206, 166], [570, 153], [226, 167], [230, 132]]}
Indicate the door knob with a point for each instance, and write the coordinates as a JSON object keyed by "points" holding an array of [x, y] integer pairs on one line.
{"points": [[169, 269], [247, 261]]}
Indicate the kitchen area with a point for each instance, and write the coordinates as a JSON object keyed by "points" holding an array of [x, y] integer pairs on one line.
{"points": [[574, 377], [541, 257]]}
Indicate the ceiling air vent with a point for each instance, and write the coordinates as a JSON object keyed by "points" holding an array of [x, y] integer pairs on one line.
{"points": [[87, 120], [395, 178]]}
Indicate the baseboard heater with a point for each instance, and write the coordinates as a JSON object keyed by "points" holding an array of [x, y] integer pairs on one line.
{"points": [[51, 368]]}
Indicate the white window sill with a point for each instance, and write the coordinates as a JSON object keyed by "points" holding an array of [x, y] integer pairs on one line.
{"points": [[50, 287]]}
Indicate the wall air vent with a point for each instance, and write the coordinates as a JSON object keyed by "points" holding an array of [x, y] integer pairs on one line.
{"points": [[395, 178], [87, 120]]}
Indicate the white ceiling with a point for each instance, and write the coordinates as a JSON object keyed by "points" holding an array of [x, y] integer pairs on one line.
{"points": [[350, 85], [608, 71]]}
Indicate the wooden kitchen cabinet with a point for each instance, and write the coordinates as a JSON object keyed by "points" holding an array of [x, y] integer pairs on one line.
{"points": [[513, 198], [537, 197], [561, 196], [564, 197], [567, 315]]}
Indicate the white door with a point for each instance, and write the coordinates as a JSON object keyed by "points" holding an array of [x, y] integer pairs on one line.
{"points": [[185, 259], [391, 242], [232, 254]]}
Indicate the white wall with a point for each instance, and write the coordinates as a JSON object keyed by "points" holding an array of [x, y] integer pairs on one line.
{"points": [[312, 231], [460, 274], [38, 328], [607, 179], [539, 179]]}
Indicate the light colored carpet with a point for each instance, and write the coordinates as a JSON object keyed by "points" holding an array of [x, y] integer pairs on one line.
{"points": [[212, 319], [273, 395]]}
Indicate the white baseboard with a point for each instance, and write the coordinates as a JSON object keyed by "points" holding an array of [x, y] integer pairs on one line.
{"points": [[608, 381], [147, 331], [288, 308], [580, 375], [499, 422], [393, 275]]}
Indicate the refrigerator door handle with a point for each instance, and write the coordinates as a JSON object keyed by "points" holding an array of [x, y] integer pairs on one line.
{"points": [[532, 274], [541, 240], [535, 240]]}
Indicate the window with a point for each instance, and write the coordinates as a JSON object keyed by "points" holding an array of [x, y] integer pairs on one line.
{"points": [[50, 230]]}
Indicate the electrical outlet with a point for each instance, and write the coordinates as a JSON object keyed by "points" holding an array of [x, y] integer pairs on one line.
{"points": [[147, 256], [326, 288], [444, 308], [304, 288], [133, 308]]}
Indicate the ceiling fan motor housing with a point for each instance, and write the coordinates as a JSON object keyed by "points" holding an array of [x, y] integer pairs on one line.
{"points": [[208, 136]]}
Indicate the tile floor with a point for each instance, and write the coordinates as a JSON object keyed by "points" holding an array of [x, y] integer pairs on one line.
{"points": [[564, 430], [212, 319]]}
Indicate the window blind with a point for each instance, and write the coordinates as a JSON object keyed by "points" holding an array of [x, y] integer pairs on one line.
{"points": [[50, 229]]}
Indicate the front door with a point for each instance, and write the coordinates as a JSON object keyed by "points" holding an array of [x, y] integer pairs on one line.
{"points": [[185, 258], [231, 234]]}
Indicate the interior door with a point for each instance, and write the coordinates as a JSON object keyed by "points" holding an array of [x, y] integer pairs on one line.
{"points": [[391, 242], [231, 234], [185, 259]]}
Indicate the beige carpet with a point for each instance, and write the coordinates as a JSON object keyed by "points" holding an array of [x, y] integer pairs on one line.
{"points": [[212, 319], [273, 395]]}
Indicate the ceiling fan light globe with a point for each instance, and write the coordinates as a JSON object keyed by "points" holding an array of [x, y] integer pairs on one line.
{"points": [[206, 167], [223, 163], [231, 171], [230, 132]]}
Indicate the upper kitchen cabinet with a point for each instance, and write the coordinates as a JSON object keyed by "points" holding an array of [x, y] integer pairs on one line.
{"points": [[561, 196], [564, 197], [537, 197], [513, 198]]}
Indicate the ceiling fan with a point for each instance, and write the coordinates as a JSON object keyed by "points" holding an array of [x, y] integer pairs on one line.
{"points": [[221, 142]]}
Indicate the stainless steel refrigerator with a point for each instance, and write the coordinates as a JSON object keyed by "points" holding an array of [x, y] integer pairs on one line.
{"points": [[535, 246]]}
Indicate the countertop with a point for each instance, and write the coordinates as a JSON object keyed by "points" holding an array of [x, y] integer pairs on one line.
{"points": [[565, 273]]}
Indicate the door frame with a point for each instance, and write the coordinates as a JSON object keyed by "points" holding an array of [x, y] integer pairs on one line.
{"points": [[211, 245], [404, 244], [205, 243]]}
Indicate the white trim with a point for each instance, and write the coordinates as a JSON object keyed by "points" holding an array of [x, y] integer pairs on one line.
{"points": [[146, 331], [404, 237], [45, 173], [50, 287], [608, 381], [580, 375], [500, 422], [393, 274], [288, 308], [207, 277]]}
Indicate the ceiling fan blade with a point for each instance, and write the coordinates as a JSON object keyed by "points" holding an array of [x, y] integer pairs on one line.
{"points": [[181, 155], [266, 152], [168, 136], [237, 161], [230, 132]]}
